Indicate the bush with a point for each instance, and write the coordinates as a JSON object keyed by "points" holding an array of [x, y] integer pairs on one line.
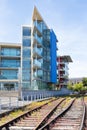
{"points": [[84, 81]]}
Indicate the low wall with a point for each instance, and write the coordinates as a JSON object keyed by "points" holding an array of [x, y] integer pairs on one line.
{"points": [[39, 94], [8, 93]]}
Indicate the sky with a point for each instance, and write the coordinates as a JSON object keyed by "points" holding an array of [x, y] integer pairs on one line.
{"points": [[68, 19]]}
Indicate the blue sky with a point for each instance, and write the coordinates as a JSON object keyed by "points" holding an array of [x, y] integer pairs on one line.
{"points": [[68, 18]]}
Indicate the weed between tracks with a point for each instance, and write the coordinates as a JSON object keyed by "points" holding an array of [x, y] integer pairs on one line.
{"points": [[17, 113]]}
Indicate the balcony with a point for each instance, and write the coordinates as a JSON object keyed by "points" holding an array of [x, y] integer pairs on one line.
{"points": [[37, 75], [61, 62], [64, 76], [37, 40], [9, 66], [36, 64], [37, 52], [61, 69], [48, 58], [37, 27], [8, 77], [9, 54]]}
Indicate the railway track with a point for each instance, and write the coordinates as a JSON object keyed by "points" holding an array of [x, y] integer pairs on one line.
{"points": [[71, 118], [58, 114], [32, 123], [37, 119], [35, 109]]}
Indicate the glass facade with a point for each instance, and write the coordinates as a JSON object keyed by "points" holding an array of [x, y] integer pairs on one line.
{"points": [[41, 59], [8, 74], [26, 42], [10, 52], [26, 31], [26, 56], [46, 54], [10, 62]]}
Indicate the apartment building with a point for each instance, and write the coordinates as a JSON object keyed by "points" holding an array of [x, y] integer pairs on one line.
{"points": [[63, 70], [10, 64], [38, 54]]}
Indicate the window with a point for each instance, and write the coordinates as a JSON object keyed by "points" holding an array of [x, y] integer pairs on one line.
{"points": [[9, 74], [25, 75], [26, 53], [26, 31], [26, 42], [10, 51], [10, 63], [26, 63]]}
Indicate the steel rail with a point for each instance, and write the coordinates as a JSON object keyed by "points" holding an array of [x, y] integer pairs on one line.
{"points": [[9, 123], [83, 116], [48, 115], [44, 117], [47, 125]]}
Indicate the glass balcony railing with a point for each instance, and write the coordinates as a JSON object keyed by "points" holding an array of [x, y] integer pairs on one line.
{"points": [[48, 57], [37, 63], [38, 26], [39, 40], [10, 54], [37, 75], [10, 65], [36, 50]]}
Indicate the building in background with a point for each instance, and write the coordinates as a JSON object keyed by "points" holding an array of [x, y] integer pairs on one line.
{"points": [[10, 64], [38, 54], [62, 67], [76, 80]]}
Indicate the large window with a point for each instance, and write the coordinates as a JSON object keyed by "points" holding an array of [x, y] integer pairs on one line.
{"points": [[27, 42], [26, 53], [10, 63], [25, 75], [9, 74], [26, 63], [26, 31], [10, 52]]}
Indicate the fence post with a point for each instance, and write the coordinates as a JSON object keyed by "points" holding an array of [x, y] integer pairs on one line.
{"points": [[17, 103], [40, 96], [0, 106], [31, 97], [9, 102]]}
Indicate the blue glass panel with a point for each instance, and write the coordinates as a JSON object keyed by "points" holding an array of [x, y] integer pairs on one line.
{"points": [[25, 74], [26, 53], [26, 42], [9, 74], [10, 63], [10, 52], [26, 31], [26, 63]]}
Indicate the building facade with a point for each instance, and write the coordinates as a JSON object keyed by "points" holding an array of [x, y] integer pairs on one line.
{"points": [[38, 54], [75, 80], [10, 64], [63, 70], [32, 64]]}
